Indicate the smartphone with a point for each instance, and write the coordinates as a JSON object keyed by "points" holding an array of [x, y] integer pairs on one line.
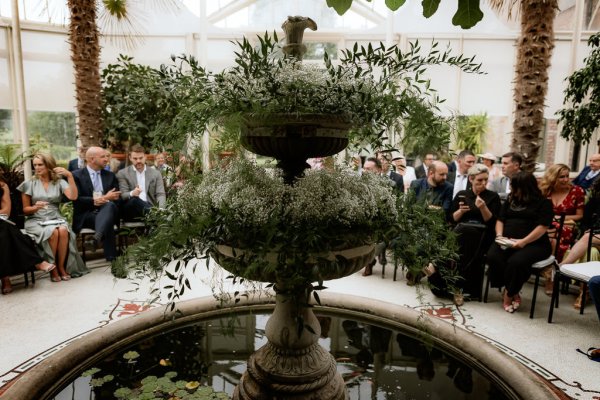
{"points": [[461, 198]]}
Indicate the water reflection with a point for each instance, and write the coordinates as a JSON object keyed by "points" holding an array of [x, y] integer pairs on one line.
{"points": [[376, 362]]}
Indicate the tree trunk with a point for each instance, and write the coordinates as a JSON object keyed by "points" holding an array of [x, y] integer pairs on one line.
{"points": [[85, 53], [534, 51]]}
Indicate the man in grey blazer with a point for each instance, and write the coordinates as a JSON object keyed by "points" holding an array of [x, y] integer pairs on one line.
{"points": [[511, 164], [141, 187]]}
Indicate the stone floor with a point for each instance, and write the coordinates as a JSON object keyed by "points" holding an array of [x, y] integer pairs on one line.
{"points": [[38, 321]]}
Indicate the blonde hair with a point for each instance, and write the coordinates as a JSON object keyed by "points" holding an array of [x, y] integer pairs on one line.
{"points": [[478, 169], [50, 163], [551, 177]]}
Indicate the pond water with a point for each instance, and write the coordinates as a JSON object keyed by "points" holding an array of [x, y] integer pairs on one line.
{"points": [[377, 362]]}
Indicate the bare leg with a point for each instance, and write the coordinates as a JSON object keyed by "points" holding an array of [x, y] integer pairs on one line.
{"points": [[579, 249], [53, 242], [62, 247]]}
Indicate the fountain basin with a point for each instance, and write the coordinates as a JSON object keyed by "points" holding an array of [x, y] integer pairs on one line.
{"points": [[511, 378]]}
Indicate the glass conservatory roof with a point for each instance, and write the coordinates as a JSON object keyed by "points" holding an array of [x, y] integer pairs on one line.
{"points": [[176, 16]]}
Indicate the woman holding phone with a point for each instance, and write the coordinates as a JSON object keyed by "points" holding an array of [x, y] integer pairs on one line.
{"points": [[474, 211], [41, 200]]}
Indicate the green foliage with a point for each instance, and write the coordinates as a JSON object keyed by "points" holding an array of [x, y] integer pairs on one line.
{"points": [[470, 132], [375, 89], [136, 100], [425, 132], [11, 165], [580, 116], [421, 236], [467, 15]]}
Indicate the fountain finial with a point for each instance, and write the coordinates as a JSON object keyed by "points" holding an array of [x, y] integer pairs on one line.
{"points": [[294, 31]]}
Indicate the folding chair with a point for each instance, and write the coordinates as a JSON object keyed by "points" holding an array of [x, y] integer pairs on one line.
{"points": [[580, 272]]}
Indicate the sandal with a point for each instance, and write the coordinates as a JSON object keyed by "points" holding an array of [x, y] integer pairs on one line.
{"points": [[592, 353], [65, 277], [507, 303], [369, 268], [45, 266], [459, 299], [429, 270], [516, 302]]}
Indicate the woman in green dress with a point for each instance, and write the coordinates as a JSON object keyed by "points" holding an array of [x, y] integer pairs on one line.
{"points": [[41, 198]]}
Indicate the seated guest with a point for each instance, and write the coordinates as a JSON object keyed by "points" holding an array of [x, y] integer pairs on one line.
{"points": [[511, 164], [591, 213], [407, 172], [488, 159], [458, 176], [396, 178], [97, 205], [41, 200], [524, 219], [566, 199], [475, 212], [113, 164], [373, 166], [18, 254], [141, 187], [78, 162], [589, 174], [434, 189], [421, 170]]}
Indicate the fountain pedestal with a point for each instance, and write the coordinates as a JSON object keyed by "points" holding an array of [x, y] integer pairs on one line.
{"points": [[292, 365]]}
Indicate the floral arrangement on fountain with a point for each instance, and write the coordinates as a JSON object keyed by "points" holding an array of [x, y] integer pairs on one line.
{"points": [[293, 228], [373, 90]]}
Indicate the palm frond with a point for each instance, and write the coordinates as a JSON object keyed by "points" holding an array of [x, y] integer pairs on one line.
{"points": [[510, 8]]}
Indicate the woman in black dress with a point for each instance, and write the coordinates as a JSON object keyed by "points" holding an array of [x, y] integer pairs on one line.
{"points": [[17, 252], [474, 211], [524, 219]]}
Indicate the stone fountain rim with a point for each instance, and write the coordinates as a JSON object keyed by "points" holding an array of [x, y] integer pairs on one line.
{"points": [[43, 380]]}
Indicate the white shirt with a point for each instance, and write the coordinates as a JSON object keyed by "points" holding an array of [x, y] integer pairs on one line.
{"points": [[460, 183], [141, 181]]}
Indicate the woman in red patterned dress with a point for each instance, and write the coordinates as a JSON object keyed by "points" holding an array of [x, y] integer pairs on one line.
{"points": [[566, 199]]}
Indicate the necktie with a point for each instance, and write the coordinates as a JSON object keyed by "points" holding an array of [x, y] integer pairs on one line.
{"points": [[96, 182]]}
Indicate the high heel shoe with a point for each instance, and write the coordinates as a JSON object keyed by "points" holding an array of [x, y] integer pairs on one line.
{"points": [[507, 303]]}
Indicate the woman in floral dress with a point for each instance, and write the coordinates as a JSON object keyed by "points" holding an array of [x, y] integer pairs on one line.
{"points": [[566, 199]]}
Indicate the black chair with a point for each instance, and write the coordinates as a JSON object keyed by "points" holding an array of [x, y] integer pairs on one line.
{"points": [[539, 266], [579, 272]]}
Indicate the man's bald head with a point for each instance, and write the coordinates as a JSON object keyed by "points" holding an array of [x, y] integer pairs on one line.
{"points": [[96, 158]]}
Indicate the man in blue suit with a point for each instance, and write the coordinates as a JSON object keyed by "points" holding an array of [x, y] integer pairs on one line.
{"points": [[97, 206], [589, 174]]}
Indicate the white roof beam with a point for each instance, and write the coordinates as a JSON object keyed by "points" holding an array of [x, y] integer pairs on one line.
{"points": [[228, 10]]}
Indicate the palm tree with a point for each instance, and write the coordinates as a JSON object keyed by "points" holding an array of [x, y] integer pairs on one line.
{"points": [[534, 50], [84, 39]]}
